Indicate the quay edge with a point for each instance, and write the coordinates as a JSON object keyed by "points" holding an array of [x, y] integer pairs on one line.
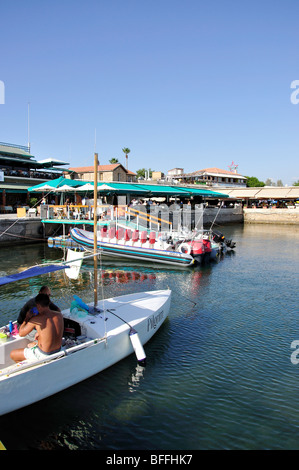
{"points": [[20, 231], [32, 230], [271, 216]]}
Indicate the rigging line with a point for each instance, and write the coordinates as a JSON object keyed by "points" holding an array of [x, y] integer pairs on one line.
{"points": [[213, 223], [110, 311], [192, 301], [99, 254], [21, 218], [17, 220], [38, 202], [23, 236], [216, 215], [35, 205]]}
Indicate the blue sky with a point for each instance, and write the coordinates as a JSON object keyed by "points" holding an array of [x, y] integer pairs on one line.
{"points": [[189, 83]]}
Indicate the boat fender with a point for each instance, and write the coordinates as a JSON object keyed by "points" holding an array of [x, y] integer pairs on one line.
{"points": [[185, 248], [138, 348]]}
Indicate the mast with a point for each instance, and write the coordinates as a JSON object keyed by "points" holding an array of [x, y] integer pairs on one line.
{"points": [[95, 200], [28, 124]]}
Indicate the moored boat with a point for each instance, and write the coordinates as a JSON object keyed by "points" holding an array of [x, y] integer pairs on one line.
{"points": [[134, 245], [95, 338]]}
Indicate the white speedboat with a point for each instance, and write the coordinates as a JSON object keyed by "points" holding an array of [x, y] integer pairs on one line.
{"points": [[95, 339]]}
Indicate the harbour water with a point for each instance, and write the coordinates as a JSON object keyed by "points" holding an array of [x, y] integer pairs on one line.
{"points": [[220, 372]]}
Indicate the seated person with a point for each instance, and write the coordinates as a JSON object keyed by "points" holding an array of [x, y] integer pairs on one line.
{"points": [[31, 303], [49, 326]]}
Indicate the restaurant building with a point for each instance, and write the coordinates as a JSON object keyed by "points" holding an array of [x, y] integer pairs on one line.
{"points": [[19, 170]]}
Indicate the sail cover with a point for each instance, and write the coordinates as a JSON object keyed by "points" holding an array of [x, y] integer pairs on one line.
{"points": [[31, 272]]}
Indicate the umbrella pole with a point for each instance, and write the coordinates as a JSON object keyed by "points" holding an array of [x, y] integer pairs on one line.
{"points": [[95, 197]]}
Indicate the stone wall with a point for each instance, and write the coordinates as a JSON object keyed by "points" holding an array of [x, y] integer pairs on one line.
{"points": [[226, 215], [20, 231], [271, 216]]}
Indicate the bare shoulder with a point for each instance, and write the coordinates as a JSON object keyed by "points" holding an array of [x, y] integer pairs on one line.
{"points": [[57, 316]]}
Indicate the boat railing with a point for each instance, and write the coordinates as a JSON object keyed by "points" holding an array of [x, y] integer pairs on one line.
{"points": [[166, 221], [151, 220]]}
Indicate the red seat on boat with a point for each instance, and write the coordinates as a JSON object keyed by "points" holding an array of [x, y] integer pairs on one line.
{"points": [[128, 234], [104, 232], [135, 235], [143, 236], [111, 232], [152, 237], [120, 233]]}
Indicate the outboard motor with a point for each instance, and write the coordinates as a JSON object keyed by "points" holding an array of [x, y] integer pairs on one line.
{"points": [[230, 244], [218, 237]]}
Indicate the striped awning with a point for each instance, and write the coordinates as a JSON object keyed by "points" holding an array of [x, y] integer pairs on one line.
{"points": [[273, 193], [269, 192]]}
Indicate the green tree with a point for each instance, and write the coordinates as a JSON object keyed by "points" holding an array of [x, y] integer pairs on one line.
{"points": [[296, 184], [126, 152], [253, 182], [113, 160], [141, 172]]}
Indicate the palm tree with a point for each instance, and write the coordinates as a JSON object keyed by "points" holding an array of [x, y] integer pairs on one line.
{"points": [[113, 160], [126, 151]]}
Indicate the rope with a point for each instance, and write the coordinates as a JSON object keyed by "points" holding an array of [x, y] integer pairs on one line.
{"points": [[21, 236], [21, 218]]}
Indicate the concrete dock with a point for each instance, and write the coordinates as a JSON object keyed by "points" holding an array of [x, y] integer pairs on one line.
{"points": [[32, 229]]}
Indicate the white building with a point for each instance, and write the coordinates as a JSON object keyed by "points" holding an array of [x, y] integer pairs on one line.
{"points": [[174, 173], [211, 177]]}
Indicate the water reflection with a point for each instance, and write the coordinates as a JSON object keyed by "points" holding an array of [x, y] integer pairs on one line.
{"points": [[136, 377], [110, 276], [113, 279]]}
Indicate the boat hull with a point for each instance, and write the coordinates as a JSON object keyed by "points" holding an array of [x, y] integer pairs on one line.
{"points": [[131, 251], [38, 381]]}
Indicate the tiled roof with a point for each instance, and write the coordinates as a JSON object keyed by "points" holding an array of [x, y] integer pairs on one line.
{"points": [[214, 170], [90, 169], [86, 169]]}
